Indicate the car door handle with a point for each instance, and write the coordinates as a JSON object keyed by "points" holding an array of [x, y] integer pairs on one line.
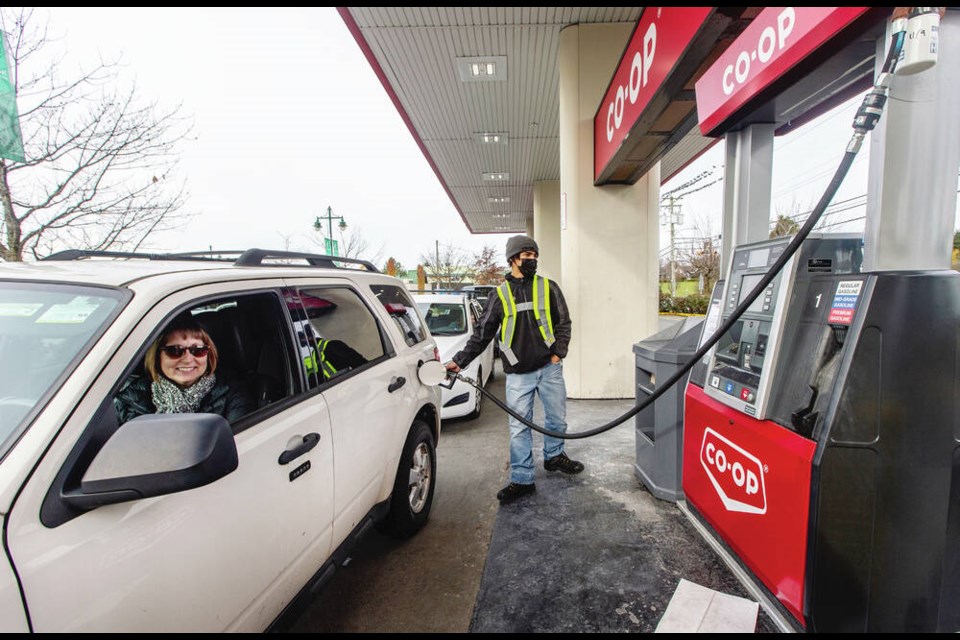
{"points": [[396, 383], [309, 442]]}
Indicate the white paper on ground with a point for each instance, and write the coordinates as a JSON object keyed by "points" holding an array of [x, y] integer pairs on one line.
{"points": [[698, 609]]}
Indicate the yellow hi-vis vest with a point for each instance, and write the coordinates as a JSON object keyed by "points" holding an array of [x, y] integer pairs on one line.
{"points": [[541, 311], [318, 359]]}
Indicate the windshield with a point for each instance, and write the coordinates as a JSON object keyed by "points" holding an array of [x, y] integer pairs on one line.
{"points": [[444, 318], [44, 328]]}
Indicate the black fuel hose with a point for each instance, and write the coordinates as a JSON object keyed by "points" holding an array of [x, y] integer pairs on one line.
{"points": [[865, 120]]}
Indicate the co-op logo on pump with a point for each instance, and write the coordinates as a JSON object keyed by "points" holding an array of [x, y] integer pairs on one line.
{"points": [[736, 475]]}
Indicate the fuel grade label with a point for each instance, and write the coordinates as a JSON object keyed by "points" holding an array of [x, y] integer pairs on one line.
{"points": [[845, 301]]}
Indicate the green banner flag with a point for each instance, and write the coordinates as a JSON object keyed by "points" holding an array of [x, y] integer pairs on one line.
{"points": [[11, 140], [330, 246]]}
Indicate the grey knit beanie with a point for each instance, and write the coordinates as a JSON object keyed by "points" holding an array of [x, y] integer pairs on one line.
{"points": [[518, 244]]}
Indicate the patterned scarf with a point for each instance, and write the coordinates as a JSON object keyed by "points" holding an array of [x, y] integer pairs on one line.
{"points": [[168, 397]]}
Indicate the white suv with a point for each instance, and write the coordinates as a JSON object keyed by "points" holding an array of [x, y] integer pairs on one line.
{"points": [[183, 521]]}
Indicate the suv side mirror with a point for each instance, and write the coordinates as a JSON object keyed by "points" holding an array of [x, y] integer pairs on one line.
{"points": [[155, 455]]}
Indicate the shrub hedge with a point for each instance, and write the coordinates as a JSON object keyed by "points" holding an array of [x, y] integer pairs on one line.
{"points": [[693, 303]]}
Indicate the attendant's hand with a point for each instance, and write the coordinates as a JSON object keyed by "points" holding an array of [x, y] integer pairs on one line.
{"points": [[555, 359], [453, 366]]}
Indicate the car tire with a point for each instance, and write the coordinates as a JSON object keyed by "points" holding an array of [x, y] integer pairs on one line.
{"points": [[414, 485], [478, 402]]}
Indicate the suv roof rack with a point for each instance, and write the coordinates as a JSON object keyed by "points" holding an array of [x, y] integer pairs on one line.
{"points": [[244, 258], [256, 257], [79, 254]]}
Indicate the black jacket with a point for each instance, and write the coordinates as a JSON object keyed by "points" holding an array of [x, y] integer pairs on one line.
{"points": [[230, 400], [528, 345]]}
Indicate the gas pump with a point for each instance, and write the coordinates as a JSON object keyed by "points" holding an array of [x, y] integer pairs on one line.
{"points": [[822, 438]]}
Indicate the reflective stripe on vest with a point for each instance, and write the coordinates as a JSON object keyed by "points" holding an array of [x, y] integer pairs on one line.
{"points": [[328, 369], [541, 311]]}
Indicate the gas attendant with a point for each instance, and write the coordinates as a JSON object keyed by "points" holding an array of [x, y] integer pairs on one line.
{"points": [[531, 319]]}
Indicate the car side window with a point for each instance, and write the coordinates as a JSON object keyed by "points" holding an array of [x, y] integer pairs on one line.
{"points": [[227, 355], [401, 308], [336, 332]]}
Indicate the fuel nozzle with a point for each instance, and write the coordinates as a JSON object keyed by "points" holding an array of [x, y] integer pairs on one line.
{"points": [[839, 333], [450, 378], [872, 105]]}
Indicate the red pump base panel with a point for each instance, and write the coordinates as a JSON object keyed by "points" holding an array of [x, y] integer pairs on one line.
{"points": [[751, 481]]}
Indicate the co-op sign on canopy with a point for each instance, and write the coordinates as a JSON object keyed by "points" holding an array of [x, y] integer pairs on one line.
{"points": [[775, 41], [660, 39]]}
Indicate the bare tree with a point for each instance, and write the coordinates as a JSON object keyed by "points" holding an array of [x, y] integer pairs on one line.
{"points": [[702, 259], [788, 219], [352, 244], [784, 226], [448, 267], [99, 169], [705, 265], [486, 266]]}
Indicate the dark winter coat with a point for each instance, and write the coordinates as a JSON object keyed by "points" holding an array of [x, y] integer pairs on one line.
{"points": [[528, 345], [230, 400]]}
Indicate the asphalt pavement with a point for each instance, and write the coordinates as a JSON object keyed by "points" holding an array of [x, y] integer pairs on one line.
{"points": [[595, 552]]}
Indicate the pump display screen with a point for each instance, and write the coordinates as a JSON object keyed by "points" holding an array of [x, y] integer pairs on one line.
{"points": [[758, 258], [746, 286]]}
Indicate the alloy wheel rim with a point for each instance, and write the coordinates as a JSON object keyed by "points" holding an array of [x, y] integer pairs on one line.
{"points": [[420, 478]]}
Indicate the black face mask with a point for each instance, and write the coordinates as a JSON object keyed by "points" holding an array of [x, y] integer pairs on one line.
{"points": [[528, 267]]}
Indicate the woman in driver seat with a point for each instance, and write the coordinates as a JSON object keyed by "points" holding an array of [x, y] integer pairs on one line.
{"points": [[181, 378]]}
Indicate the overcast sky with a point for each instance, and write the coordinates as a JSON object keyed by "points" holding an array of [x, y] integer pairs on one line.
{"points": [[290, 119]]}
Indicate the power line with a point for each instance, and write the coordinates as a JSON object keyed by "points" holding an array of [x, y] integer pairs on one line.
{"points": [[703, 175], [700, 188], [806, 178]]}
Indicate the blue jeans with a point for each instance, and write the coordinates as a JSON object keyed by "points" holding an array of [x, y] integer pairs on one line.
{"points": [[521, 387]]}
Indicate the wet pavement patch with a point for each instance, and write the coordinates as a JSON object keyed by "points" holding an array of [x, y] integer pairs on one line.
{"points": [[595, 552]]}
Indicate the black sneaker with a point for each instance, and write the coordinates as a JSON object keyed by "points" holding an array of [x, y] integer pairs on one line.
{"points": [[514, 491], [563, 463]]}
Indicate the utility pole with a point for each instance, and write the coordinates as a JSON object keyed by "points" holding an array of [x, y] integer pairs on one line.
{"points": [[673, 219], [673, 198]]}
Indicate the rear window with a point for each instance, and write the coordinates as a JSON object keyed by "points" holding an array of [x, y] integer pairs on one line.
{"points": [[398, 304]]}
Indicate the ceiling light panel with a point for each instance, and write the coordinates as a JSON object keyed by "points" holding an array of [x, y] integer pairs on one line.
{"points": [[482, 69], [489, 137]]}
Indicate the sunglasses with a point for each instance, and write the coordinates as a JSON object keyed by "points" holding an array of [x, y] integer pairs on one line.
{"points": [[177, 351]]}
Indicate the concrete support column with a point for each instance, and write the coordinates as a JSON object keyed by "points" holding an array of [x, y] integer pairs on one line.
{"points": [[609, 235], [914, 157], [747, 184], [546, 224]]}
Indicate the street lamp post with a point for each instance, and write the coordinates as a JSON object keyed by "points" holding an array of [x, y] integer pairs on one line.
{"points": [[318, 225]]}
